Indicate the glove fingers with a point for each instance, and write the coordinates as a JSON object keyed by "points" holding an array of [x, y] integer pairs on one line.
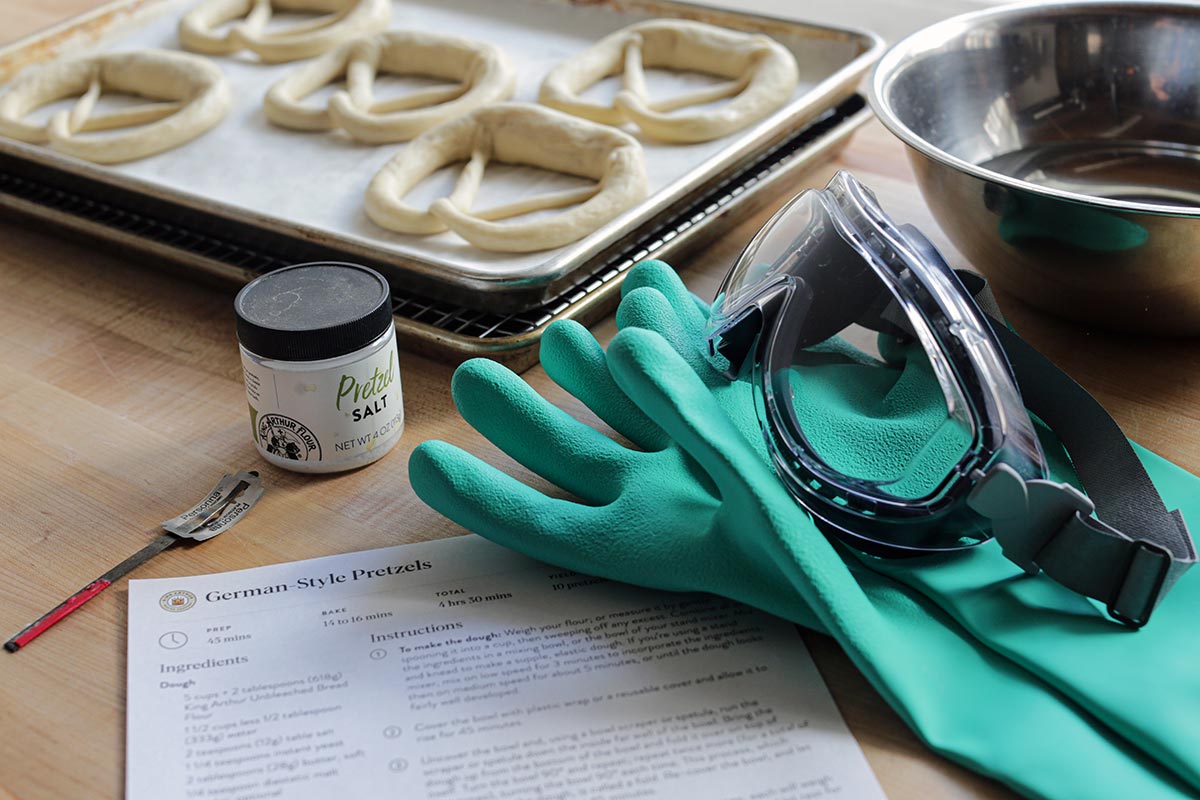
{"points": [[483, 499], [575, 361], [671, 394], [691, 311], [544, 438], [648, 309]]}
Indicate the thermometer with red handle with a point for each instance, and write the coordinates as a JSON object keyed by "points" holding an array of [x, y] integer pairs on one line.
{"points": [[229, 500]]}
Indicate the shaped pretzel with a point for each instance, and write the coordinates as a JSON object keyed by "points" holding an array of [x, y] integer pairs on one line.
{"points": [[763, 76], [191, 96], [513, 133], [484, 74], [341, 21]]}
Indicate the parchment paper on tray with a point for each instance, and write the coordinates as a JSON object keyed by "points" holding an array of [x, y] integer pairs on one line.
{"points": [[310, 185]]}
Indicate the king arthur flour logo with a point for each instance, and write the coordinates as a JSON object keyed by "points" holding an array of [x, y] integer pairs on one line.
{"points": [[178, 600], [286, 438]]}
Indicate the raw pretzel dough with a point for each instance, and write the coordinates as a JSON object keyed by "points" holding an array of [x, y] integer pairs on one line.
{"points": [[342, 20], [763, 76], [485, 76], [193, 94], [514, 133]]}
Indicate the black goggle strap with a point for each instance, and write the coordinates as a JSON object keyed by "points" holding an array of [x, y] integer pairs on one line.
{"points": [[1049, 526]]}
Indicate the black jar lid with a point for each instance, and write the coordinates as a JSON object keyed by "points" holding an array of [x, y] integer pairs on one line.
{"points": [[309, 312]]}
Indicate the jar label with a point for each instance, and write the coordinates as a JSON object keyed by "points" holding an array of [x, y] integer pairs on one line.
{"points": [[328, 415]]}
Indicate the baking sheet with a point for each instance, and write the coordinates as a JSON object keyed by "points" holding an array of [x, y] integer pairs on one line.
{"points": [[437, 328], [313, 183]]}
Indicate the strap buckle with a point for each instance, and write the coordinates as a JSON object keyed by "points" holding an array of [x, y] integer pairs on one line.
{"points": [[1026, 515], [1135, 611]]}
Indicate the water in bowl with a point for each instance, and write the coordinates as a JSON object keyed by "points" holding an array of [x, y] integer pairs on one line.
{"points": [[1163, 173]]}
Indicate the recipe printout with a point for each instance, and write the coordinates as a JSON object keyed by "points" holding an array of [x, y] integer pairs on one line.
{"points": [[458, 669]]}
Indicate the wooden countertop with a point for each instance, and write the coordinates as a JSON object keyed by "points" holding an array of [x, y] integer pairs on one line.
{"points": [[121, 399]]}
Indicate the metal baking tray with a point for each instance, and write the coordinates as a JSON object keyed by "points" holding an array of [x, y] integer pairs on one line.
{"points": [[236, 253], [305, 190]]}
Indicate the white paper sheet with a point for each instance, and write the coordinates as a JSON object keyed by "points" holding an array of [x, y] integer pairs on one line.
{"points": [[457, 669]]}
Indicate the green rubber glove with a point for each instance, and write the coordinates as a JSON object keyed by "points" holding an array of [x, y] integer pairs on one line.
{"points": [[1149, 688], [962, 699], [1145, 684]]}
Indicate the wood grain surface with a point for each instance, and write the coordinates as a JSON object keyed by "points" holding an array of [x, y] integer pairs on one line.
{"points": [[121, 401]]}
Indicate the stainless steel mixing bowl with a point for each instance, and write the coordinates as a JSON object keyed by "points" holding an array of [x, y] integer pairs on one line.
{"points": [[1058, 145]]}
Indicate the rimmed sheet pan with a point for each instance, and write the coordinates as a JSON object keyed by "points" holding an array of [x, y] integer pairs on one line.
{"points": [[441, 329], [307, 188]]}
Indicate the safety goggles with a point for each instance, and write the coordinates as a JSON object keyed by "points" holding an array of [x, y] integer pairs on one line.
{"points": [[893, 409]]}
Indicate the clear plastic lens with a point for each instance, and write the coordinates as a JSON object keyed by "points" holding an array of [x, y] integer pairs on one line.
{"points": [[852, 386], [769, 255], [875, 418], [881, 388]]}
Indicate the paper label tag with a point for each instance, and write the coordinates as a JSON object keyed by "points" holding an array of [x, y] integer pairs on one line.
{"points": [[237, 507], [221, 508]]}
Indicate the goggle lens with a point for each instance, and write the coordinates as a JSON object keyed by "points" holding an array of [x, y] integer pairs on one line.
{"points": [[850, 384]]}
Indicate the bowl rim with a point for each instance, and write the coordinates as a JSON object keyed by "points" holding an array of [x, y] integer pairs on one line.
{"points": [[939, 33]]}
